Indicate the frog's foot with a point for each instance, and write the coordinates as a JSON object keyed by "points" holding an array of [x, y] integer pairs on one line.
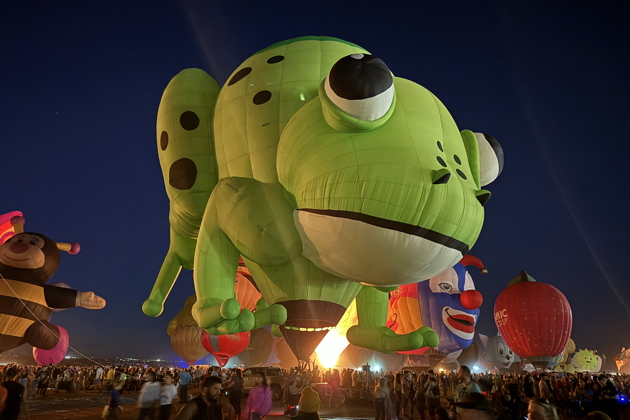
{"points": [[223, 318], [152, 308], [274, 314], [387, 341]]}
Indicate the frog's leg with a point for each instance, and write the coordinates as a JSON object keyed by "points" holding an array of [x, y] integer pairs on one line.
{"points": [[372, 333], [186, 151], [247, 217]]}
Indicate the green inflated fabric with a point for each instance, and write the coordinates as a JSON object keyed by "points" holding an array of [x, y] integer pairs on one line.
{"points": [[185, 140], [321, 203]]}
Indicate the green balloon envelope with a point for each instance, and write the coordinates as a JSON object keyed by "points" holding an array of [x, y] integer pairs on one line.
{"points": [[329, 176]]}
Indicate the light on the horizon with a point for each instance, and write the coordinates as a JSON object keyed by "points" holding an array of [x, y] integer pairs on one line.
{"points": [[335, 342]]}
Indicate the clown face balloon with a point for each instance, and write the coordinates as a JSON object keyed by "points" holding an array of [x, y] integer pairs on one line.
{"points": [[447, 303]]}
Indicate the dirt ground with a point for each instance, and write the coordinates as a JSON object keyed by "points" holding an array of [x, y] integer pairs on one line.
{"points": [[60, 405], [129, 413]]}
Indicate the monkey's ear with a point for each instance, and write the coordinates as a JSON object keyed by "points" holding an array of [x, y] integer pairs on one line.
{"points": [[18, 224], [72, 248]]}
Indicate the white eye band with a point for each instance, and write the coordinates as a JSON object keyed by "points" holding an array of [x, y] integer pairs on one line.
{"points": [[368, 109]]}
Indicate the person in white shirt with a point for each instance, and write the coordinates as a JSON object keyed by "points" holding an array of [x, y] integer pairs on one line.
{"points": [[167, 394], [149, 397], [97, 379]]}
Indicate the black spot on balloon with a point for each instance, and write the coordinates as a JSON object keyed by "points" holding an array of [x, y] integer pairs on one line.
{"points": [[275, 59], [164, 140], [457, 159], [441, 161], [440, 146], [460, 173], [189, 120], [240, 75], [262, 97], [182, 174]]}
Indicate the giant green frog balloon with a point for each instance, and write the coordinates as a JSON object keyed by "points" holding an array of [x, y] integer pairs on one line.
{"points": [[332, 178]]}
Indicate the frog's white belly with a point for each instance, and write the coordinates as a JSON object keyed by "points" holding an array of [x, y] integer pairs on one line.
{"points": [[369, 254]]}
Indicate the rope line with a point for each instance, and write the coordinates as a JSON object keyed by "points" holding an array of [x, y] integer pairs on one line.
{"points": [[51, 331]]}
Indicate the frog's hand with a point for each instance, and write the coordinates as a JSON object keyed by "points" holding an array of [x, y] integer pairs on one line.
{"points": [[215, 263], [180, 254], [372, 333], [387, 341], [265, 314], [275, 331]]}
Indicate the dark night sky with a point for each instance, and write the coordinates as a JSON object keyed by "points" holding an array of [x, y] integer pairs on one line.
{"points": [[81, 83]]}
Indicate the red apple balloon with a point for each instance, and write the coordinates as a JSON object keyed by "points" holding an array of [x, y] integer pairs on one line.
{"points": [[534, 319]]}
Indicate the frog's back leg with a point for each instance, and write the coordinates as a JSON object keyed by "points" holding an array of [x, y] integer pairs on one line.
{"points": [[186, 151]]}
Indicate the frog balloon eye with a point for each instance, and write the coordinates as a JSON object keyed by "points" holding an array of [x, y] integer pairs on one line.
{"points": [[362, 86], [490, 158]]}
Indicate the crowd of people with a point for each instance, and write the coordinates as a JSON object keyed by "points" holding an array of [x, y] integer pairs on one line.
{"points": [[535, 396], [408, 394], [220, 391]]}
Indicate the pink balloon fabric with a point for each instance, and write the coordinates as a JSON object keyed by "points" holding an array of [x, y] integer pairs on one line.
{"points": [[57, 353]]}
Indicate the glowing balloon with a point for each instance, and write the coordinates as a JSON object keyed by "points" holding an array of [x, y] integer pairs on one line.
{"points": [[326, 173], [186, 335], [587, 361], [335, 342], [9, 222], [224, 347], [27, 261], [534, 319], [355, 357], [56, 354], [285, 354], [497, 355], [566, 368], [259, 348], [245, 288], [447, 303]]}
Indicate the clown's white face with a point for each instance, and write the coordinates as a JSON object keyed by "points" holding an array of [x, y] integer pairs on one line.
{"points": [[450, 306]]}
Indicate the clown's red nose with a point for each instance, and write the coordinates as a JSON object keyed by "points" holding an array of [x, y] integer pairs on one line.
{"points": [[471, 299], [18, 248]]}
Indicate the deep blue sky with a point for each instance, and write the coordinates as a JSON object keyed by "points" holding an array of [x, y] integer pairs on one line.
{"points": [[80, 83]]}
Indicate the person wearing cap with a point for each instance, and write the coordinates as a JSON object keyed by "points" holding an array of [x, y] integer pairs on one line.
{"points": [[308, 406], [474, 407], [210, 405]]}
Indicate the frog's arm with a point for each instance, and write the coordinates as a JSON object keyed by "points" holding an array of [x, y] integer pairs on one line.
{"points": [[372, 333], [186, 151], [244, 217], [180, 254]]}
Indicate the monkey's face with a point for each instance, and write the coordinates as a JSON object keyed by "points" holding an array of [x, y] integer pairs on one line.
{"points": [[23, 251]]}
